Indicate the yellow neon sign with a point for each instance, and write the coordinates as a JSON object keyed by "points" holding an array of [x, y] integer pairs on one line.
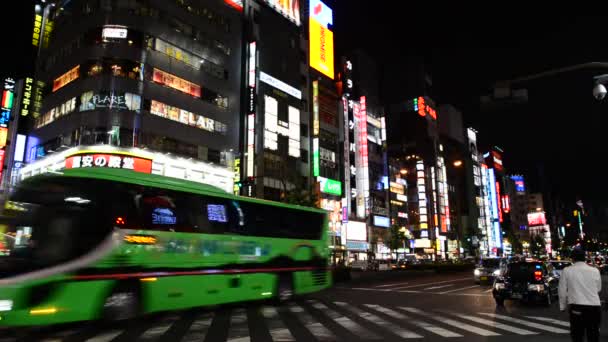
{"points": [[140, 239]]}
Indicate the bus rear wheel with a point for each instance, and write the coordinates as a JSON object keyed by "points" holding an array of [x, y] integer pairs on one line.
{"points": [[122, 304], [285, 288]]}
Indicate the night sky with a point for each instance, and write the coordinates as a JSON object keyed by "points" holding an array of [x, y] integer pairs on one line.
{"points": [[560, 131]]}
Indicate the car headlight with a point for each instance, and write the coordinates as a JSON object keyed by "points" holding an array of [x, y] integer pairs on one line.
{"points": [[6, 305], [496, 273], [499, 286], [536, 287], [476, 272]]}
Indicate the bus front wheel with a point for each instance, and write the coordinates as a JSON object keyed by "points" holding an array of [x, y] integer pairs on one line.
{"points": [[285, 288], [121, 304]]}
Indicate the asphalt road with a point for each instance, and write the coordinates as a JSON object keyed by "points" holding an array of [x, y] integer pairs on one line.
{"points": [[417, 307]]}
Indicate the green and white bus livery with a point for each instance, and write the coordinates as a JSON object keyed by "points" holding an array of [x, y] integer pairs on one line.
{"points": [[106, 243]]}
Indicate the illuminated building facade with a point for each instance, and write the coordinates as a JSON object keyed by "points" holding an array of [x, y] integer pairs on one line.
{"points": [[363, 136], [275, 144], [160, 76]]}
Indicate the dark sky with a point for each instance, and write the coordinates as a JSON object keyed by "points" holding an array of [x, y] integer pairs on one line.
{"points": [[562, 128], [557, 138]]}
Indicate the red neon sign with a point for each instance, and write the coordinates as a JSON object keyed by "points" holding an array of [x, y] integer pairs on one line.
{"points": [[506, 205], [362, 138], [499, 206], [114, 161]]}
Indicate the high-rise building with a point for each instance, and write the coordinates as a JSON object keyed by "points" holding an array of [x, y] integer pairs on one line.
{"points": [[144, 82], [365, 203]]}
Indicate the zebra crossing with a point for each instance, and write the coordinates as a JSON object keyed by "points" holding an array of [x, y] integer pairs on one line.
{"points": [[315, 320]]}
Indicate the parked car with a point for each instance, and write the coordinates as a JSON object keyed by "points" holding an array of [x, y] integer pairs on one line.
{"points": [[487, 270], [360, 265], [528, 281], [383, 265]]}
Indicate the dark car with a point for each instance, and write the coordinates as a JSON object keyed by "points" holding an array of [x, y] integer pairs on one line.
{"points": [[487, 270], [527, 281]]}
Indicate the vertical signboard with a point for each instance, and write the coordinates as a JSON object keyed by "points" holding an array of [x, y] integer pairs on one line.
{"points": [[347, 200], [316, 129], [321, 38], [251, 108]]}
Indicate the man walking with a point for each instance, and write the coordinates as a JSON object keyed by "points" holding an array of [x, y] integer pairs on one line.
{"points": [[579, 288]]}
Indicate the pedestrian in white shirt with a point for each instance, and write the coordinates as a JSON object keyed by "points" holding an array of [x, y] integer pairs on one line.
{"points": [[579, 288]]}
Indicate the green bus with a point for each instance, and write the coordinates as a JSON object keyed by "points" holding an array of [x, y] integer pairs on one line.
{"points": [[108, 243]]}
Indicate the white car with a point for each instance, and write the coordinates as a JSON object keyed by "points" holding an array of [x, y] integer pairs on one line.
{"points": [[359, 265]]}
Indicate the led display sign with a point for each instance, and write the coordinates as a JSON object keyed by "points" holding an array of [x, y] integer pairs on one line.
{"points": [[330, 186], [537, 219], [66, 78], [7, 102], [20, 147], [381, 221], [3, 136], [321, 38], [356, 231], [105, 160], [497, 160], [520, 185], [276, 83], [113, 32], [397, 188], [290, 9], [236, 4]]}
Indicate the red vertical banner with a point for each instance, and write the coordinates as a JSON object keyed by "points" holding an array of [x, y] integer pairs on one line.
{"points": [[498, 201], [1, 165]]}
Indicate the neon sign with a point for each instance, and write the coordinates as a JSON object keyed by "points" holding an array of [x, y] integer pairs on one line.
{"points": [[321, 38], [104, 160], [423, 108]]}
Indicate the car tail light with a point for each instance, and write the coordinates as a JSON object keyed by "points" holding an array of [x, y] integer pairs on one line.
{"points": [[538, 275]]}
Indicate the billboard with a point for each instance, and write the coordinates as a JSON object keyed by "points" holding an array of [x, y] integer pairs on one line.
{"points": [[290, 9], [330, 186], [381, 221], [356, 231], [108, 160], [536, 219], [321, 38], [520, 185]]}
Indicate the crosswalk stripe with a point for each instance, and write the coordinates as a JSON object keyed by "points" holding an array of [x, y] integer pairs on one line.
{"points": [[460, 289], [239, 331], [345, 321], [403, 333], [424, 325], [438, 287], [457, 324], [156, 331], [433, 283], [199, 328], [320, 332], [495, 324], [551, 320], [529, 324], [276, 327], [105, 337]]}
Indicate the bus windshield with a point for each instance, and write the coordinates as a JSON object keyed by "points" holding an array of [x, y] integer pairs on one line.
{"points": [[44, 223]]}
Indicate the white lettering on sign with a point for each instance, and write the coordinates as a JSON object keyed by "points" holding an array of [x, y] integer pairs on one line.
{"points": [[100, 161], [351, 124], [87, 161], [349, 65], [353, 147], [114, 162], [76, 161], [353, 170], [128, 163], [353, 192]]}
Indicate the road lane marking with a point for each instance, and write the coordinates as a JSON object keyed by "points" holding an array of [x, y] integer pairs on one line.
{"points": [[390, 327], [494, 324], [454, 323], [424, 325], [277, 329], [526, 323], [239, 330], [199, 328], [460, 289], [391, 284], [434, 283], [551, 320], [437, 287], [346, 322], [105, 337], [319, 331]]}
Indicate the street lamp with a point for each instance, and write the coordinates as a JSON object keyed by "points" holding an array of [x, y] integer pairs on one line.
{"points": [[403, 171], [458, 163]]}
